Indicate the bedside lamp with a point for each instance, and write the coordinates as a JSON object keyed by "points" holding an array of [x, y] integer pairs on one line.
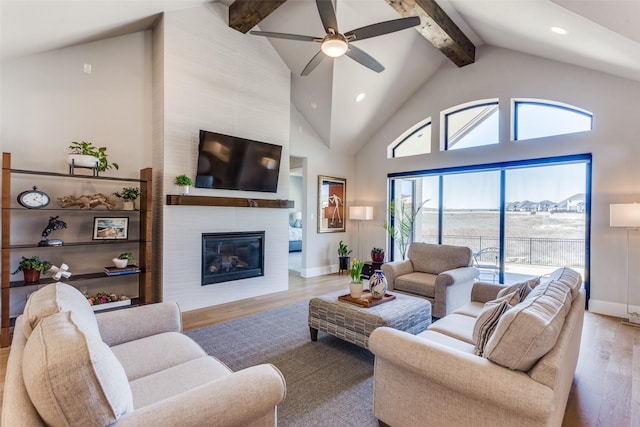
{"points": [[360, 213], [626, 215]]}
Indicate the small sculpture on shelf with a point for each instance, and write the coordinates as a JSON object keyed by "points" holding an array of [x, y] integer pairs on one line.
{"points": [[87, 201], [60, 272], [54, 224]]}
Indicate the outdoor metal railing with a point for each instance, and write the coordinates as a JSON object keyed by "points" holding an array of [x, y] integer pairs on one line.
{"points": [[523, 250]]}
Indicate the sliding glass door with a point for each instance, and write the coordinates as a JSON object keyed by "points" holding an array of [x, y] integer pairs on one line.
{"points": [[520, 219]]}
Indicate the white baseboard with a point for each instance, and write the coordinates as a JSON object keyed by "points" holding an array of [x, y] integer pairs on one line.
{"points": [[319, 271], [611, 308]]}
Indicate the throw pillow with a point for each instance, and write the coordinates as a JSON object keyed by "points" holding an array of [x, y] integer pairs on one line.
{"points": [[54, 298], [72, 377], [522, 288], [487, 322]]}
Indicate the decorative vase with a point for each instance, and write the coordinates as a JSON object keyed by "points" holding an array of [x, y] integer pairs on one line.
{"points": [[377, 257], [128, 205], [120, 263], [355, 289], [31, 275], [183, 190], [378, 284]]}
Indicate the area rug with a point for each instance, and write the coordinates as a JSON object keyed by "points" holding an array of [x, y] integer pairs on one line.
{"points": [[329, 382]]}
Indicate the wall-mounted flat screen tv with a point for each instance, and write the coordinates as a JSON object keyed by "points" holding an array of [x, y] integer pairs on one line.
{"points": [[233, 163]]}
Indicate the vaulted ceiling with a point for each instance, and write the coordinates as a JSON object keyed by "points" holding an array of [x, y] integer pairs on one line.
{"points": [[602, 35]]}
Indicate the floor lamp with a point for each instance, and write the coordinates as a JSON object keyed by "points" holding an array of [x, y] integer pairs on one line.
{"points": [[360, 213], [626, 215]]}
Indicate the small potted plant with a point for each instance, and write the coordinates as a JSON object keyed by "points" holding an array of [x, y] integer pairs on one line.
{"points": [[343, 255], [31, 268], [355, 272], [377, 255], [123, 260], [183, 182], [84, 154], [128, 196]]}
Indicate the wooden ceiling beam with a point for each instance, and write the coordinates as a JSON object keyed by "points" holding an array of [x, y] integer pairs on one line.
{"points": [[246, 14], [439, 29]]}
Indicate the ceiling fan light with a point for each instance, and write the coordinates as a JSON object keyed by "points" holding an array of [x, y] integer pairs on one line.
{"points": [[334, 46]]}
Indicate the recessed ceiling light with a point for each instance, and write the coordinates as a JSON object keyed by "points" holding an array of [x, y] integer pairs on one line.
{"points": [[360, 96], [313, 105], [559, 30]]}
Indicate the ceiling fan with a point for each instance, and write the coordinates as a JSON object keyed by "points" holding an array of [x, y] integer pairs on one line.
{"points": [[336, 44]]}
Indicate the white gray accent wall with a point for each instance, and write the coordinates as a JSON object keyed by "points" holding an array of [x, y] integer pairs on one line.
{"points": [[218, 79]]}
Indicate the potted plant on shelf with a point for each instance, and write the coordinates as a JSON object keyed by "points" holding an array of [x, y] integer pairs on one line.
{"points": [[377, 255], [343, 255], [183, 182], [355, 272], [123, 260], [31, 268], [84, 154], [128, 196]]}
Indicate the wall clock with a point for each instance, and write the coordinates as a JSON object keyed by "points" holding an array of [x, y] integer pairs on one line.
{"points": [[33, 199]]}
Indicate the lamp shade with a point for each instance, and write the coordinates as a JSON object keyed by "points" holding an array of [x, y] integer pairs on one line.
{"points": [[298, 215], [624, 215], [361, 212]]}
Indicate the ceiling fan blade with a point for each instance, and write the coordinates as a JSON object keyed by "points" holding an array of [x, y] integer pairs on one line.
{"points": [[381, 28], [315, 61], [286, 36], [327, 15], [364, 58]]}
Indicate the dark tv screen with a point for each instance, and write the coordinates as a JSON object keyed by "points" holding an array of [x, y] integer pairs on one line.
{"points": [[233, 163]]}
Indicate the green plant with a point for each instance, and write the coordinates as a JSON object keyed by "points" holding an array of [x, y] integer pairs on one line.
{"points": [[377, 250], [33, 263], [87, 148], [402, 219], [183, 180], [355, 270], [127, 255], [343, 250], [129, 193]]}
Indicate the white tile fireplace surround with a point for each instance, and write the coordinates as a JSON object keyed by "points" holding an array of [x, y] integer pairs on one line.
{"points": [[182, 263]]}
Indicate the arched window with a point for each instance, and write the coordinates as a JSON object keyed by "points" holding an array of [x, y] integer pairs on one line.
{"points": [[471, 125], [416, 140], [534, 118]]}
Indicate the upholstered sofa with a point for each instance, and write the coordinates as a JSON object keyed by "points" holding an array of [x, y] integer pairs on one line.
{"points": [[440, 273], [490, 363], [70, 367]]}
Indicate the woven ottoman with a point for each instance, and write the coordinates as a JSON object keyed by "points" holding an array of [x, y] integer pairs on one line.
{"points": [[354, 324]]}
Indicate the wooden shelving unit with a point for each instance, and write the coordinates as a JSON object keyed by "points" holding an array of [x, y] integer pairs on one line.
{"points": [[144, 241]]}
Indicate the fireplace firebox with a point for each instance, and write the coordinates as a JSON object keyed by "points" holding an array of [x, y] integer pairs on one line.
{"points": [[232, 256]]}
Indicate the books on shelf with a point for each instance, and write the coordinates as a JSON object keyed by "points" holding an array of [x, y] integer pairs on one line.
{"points": [[115, 271]]}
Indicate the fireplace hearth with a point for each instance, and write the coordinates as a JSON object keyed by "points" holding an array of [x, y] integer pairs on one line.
{"points": [[232, 256]]}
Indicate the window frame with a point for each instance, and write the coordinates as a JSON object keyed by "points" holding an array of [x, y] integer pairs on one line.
{"points": [[391, 148], [444, 123], [547, 103]]}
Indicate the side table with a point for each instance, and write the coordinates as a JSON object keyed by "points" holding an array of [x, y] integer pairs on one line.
{"points": [[369, 267]]}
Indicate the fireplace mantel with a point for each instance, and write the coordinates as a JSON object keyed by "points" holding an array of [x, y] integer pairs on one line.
{"points": [[239, 202]]}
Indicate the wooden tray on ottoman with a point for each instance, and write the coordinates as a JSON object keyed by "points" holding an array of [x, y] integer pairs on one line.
{"points": [[366, 300]]}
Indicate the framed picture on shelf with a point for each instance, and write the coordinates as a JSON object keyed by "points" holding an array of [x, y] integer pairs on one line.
{"points": [[332, 193], [108, 228]]}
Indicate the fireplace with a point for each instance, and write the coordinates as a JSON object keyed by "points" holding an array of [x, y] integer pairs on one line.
{"points": [[232, 256]]}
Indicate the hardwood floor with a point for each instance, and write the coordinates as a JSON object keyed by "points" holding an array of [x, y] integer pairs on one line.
{"points": [[606, 387]]}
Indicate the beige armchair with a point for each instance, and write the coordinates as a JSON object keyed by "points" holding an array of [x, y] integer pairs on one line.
{"points": [[440, 273]]}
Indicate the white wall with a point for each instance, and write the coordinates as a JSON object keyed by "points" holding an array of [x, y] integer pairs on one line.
{"points": [[505, 74], [218, 79], [319, 252], [48, 101]]}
